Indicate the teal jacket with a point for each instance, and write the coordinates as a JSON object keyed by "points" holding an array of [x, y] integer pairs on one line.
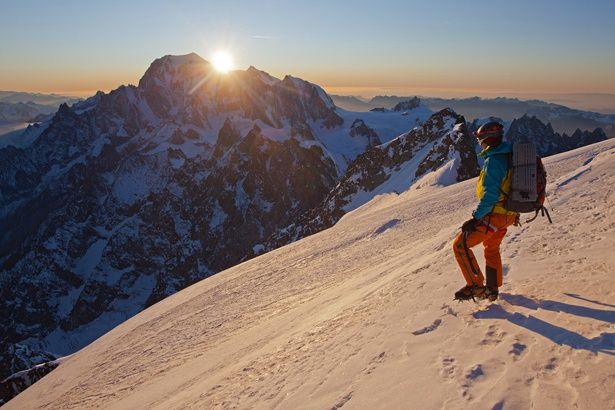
{"points": [[494, 181]]}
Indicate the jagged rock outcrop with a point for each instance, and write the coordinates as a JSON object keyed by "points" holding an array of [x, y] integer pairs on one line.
{"points": [[407, 105], [359, 129], [549, 142], [581, 138]]}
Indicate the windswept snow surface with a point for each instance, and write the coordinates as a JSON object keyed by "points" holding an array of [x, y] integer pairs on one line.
{"points": [[361, 316]]}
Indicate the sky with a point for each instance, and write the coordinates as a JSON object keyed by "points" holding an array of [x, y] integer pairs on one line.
{"points": [[366, 48]]}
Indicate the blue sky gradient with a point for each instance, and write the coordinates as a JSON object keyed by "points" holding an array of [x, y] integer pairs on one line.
{"points": [[473, 47]]}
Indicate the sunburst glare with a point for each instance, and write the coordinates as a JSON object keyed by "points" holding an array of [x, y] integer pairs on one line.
{"points": [[222, 61]]}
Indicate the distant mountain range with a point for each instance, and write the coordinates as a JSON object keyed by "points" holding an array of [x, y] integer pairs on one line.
{"points": [[561, 118], [14, 97], [17, 108], [24, 112]]}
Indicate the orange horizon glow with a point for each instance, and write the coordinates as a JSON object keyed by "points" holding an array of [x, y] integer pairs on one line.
{"points": [[357, 91], [83, 84]]}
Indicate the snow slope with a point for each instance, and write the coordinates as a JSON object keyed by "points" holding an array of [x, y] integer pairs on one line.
{"points": [[361, 316]]}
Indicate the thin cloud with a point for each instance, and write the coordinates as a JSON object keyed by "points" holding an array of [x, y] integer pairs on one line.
{"points": [[265, 37]]}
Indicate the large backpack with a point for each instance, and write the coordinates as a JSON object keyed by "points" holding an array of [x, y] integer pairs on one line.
{"points": [[528, 182]]}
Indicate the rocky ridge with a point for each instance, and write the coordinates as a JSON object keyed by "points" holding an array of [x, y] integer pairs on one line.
{"points": [[442, 144]]}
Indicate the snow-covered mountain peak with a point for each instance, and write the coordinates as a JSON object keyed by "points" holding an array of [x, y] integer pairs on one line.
{"points": [[444, 119], [164, 69], [181, 59], [439, 124], [171, 70], [188, 86], [184, 79]]}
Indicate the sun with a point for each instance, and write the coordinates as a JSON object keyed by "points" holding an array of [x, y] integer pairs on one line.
{"points": [[222, 61]]}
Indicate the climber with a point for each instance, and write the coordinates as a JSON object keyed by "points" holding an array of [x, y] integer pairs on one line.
{"points": [[489, 220]]}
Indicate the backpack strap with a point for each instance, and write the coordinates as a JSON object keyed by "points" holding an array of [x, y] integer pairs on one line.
{"points": [[509, 157], [544, 211]]}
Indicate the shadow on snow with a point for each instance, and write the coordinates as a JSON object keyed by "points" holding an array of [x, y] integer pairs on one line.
{"points": [[605, 343]]}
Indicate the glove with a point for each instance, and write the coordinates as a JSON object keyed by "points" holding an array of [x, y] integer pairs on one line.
{"points": [[470, 225]]}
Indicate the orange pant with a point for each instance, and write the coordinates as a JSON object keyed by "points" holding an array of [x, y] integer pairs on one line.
{"points": [[490, 236]]}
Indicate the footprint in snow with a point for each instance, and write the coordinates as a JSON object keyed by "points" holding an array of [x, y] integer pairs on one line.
{"points": [[374, 363], [473, 375], [517, 350], [475, 372], [448, 367], [341, 402], [436, 323], [493, 336], [389, 225]]}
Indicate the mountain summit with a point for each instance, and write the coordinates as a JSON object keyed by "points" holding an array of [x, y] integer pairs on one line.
{"points": [[173, 84]]}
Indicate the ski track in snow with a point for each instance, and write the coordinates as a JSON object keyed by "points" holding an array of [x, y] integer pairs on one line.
{"points": [[339, 319]]}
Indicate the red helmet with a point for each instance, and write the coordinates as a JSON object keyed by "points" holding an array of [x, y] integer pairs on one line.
{"points": [[490, 133]]}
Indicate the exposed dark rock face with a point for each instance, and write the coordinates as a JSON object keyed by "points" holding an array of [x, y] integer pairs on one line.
{"points": [[531, 129], [440, 140], [16, 358], [581, 138], [360, 129]]}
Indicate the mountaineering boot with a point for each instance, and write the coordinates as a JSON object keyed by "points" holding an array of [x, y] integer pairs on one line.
{"points": [[491, 294], [470, 292], [464, 293]]}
